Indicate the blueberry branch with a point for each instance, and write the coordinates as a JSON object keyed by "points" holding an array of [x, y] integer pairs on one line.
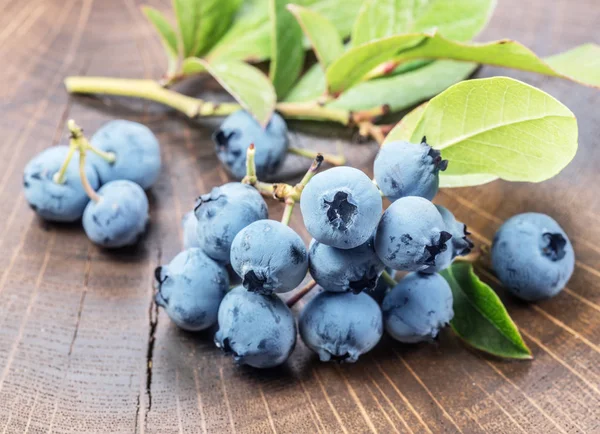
{"points": [[388, 279], [301, 293], [78, 141], [334, 160], [59, 177]]}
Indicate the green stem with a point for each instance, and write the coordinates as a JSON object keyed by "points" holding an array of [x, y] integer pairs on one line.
{"points": [[313, 111], [335, 160], [59, 177], [110, 157], [389, 280], [250, 177], [78, 141], [287, 211]]}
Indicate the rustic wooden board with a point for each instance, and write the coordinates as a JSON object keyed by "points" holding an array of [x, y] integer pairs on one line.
{"points": [[83, 349]]}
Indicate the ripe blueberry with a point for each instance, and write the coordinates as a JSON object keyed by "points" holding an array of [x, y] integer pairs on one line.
{"points": [[239, 131], [341, 270], [411, 235], [136, 149], [119, 218], [222, 213], [52, 201], [258, 330], [532, 256], [341, 326], [341, 207], [406, 169], [417, 307], [269, 257], [190, 289]]}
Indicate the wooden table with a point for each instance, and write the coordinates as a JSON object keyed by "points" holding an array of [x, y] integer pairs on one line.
{"points": [[83, 348]]}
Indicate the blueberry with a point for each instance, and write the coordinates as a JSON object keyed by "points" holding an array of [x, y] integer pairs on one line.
{"points": [[341, 326], [461, 244], [190, 289], [381, 289], [120, 217], [406, 169], [222, 213], [341, 207], [52, 201], [258, 330], [238, 131], [136, 149], [340, 270], [532, 256], [190, 236], [417, 307], [411, 235], [269, 257]]}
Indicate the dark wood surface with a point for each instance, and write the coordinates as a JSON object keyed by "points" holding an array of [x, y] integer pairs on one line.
{"points": [[83, 349]]}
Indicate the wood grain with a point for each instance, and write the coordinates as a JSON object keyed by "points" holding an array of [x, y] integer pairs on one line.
{"points": [[83, 348]]}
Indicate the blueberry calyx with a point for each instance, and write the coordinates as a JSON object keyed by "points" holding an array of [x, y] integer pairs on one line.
{"points": [[253, 283], [341, 212], [339, 359], [435, 249], [208, 197], [157, 275], [555, 246], [363, 284], [221, 139], [226, 347], [470, 245]]}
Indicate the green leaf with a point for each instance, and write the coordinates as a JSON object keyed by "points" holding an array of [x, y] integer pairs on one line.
{"points": [[480, 318], [310, 86], [247, 84], [406, 127], [192, 65], [324, 37], [167, 34], [467, 180], [354, 64], [216, 17], [188, 19], [249, 38], [458, 19], [405, 90], [287, 53], [499, 126]]}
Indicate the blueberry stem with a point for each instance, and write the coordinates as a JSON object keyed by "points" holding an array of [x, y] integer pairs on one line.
{"points": [[78, 141], [250, 166], [287, 211], [335, 160], [59, 177], [389, 280], [301, 293], [110, 157]]}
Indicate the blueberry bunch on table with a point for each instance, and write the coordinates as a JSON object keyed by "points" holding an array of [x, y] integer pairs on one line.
{"points": [[237, 263]]}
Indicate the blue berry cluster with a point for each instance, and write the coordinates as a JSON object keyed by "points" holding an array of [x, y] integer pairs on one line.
{"points": [[124, 160]]}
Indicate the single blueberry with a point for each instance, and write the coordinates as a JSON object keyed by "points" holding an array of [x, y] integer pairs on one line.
{"points": [[269, 257], [190, 289], [136, 149], [417, 307], [341, 207], [532, 256], [340, 270], [190, 236], [461, 244], [258, 330], [222, 213], [120, 217], [411, 235], [341, 326], [238, 131], [406, 169], [52, 201]]}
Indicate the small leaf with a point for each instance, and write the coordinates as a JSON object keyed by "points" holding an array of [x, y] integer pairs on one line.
{"points": [[405, 90], [467, 180], [499, 126], [287, 53], [216, 17], [406, 127], [192, 65], [247, 84], [310, 86], [354, 64], [480, 318], [460, 20], [188, 19], [324, 37], [167, 34]]}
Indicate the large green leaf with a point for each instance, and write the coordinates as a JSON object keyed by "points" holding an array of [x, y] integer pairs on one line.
{"points": [[167, 34], [480, 318], [249, 36], [405, 90], [324, 37], [580, 64], [216, 17], [499, 126], [458, 19], [188, 19], [287, 53], [247, 84], [310, 86]]}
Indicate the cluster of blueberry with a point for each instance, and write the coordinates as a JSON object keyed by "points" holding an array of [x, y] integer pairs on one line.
{"points": [[105, 190]]}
